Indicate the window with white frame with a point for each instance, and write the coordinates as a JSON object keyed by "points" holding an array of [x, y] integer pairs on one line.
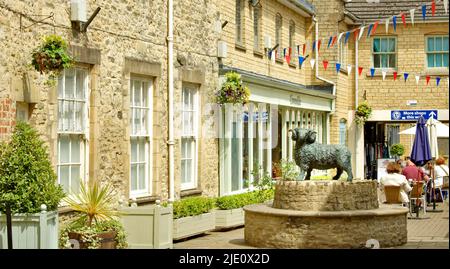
{"points": [[257, 27], [140, 136], [240, 5], [189, 136], [278, 34], [437, 51], [384, 52], [342, 52], [72, 128]]}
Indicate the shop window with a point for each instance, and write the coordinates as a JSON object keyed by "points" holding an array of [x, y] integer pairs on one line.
{"points": [[72, 129], [393, 136], [384, 52], [437, 51], [189, 137], [140, 138]]}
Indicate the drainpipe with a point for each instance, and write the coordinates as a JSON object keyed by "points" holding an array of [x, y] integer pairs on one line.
{"points": [[170, 141], [357, 172], [333, 102]]}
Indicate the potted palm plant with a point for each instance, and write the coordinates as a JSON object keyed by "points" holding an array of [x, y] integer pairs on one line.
{"points": [[96, 225]]}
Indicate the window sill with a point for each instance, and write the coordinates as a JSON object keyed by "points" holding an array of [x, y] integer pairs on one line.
{"points": [[145, 199], [344, 71], [279, 60], [240, 47], [258, 53], [191, 192], [292, 65], [439, 71]]}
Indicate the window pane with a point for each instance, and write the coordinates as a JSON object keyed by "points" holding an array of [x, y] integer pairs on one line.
{"points": [[137, 121], [430, 44], [75, 150], [445, 43], [137, 93], [64, 149], [134, 150], [75, 178], [188, 171], [384, 60], [376, 45], [445, 58], [391, 45], [430, 59], [64, 177], [256, 27], [60, 115], [183, 171], [60, 86], [376, 60], [142, 150], [144, 94], [438, 44], [391, 60], [79, 116], [80, 84], [70, 83], [141, 185], [134, 177], [384, 45], [438, 59]]}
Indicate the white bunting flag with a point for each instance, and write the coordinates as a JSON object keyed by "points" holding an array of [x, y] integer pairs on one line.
{"points": [[361, 31], [411, 12], [272, 56], [312, 61], [384, 72], [446, 7], [387, 25], [339, 37], [417, 79], [349, 69]]}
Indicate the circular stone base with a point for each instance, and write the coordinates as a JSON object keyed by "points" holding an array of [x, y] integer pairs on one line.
{"points": [[269, 227], [307, 195]]}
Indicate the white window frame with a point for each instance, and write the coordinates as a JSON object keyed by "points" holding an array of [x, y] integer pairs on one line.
{"points": [[195, 89], [138, 135], [83, 134], [443, 52], [383, 53], [343, 52]]}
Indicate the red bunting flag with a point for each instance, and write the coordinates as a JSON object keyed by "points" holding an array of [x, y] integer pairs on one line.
{"points": [[395, 75], [334, 40], [304, 49], [403, 18], [325, 64], [318, 44], [375, 27], [360, 69], [428, 79], [356, 34], [433, 8]]}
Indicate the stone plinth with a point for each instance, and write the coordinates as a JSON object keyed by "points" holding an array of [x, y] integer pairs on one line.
{"points": [[326, 195], [270, 227]]}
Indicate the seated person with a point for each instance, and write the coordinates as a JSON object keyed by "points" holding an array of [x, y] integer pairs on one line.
{"points": [[394, 178], [411, 171], [440, 170]]}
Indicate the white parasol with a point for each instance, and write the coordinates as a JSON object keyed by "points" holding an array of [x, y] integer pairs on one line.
{"points": [[442, 130]]}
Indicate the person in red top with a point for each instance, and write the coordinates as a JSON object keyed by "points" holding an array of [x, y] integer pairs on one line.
{"points": [[411, 171]]}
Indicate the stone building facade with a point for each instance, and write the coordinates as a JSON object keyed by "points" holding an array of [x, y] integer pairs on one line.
{"points": [[121, 72]]}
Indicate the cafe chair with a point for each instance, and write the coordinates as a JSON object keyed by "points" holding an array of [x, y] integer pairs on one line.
{"points": [[392, 194], [417, 194]]}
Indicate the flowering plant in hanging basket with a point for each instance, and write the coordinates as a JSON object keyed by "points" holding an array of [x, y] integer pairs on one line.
{"points": [[232, 90], [52, 57], [362, 113]]}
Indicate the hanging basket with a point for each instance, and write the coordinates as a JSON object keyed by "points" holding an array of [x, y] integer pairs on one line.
{"points": [[362, 113], [232, 90]]}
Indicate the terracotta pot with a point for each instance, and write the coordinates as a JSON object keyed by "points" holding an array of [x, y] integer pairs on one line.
{"points": [[107, 240]]}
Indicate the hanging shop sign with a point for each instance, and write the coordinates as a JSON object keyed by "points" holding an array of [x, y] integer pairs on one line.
{"points": [[413, 115], [257, 116]]}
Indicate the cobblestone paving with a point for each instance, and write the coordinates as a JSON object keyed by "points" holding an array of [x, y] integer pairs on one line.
{"points": [[431, 231]]}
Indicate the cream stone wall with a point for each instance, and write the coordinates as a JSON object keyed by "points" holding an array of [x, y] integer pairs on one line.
{"points": [[130, 40]]}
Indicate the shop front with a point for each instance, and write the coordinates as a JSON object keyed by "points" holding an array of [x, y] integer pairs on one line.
{"points": [[255, 137]]}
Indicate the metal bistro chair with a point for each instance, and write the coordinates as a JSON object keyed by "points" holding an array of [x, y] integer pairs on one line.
{"points": [[392, 194], [417, 194]]}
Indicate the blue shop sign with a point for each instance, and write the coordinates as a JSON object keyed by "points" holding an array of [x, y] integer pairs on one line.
{"points": [[413, 115], [256, 115]]}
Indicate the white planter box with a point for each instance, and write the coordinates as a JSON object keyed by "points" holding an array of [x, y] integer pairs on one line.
{"points": [[189, 226], [229, 218], [31, 231], [148, 226]]}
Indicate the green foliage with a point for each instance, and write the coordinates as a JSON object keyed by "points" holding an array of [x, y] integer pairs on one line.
{"points": [[242, 199], [27, 179], [232, 90], [397, 149], [261, 179], [192, 206], [90, 233], [289, 170], [52, 56], [362, 113]]}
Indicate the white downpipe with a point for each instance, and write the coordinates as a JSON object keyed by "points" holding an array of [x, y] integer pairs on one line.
{"points": [[170, 141], [356, 105]]}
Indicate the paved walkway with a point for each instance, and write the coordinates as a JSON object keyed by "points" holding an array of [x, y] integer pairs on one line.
{"points": [[432, 231]]}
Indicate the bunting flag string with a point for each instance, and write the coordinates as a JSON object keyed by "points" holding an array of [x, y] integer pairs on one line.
{"points": [[403, 19], [438, 79], [325, 64], [338, 67], [372, 72], [383, 73], [329, 41], [361, 32], [387, 25], [433, 8], [424, 12], [360, 69], [395, 75], [394, 21], [411, 13], [300, 61], [417, 79], [349, 69], [312, 62], [347, 35], [428, 79], [446, 6], [405, 75]]}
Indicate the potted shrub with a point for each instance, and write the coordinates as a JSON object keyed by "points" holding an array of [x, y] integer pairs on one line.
{"points": [[96, 225], [52, 57], [230, 213], [397, 150], [232, 90], [29, 185], [362, 113], [192, 216]]}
